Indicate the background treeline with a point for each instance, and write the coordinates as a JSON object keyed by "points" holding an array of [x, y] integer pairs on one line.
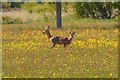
{"points": [[27, 12], [81, 9]]}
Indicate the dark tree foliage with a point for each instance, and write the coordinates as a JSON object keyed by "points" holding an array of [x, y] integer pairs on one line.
{"points": [[96, 9], [82, 9], [15, 4]]}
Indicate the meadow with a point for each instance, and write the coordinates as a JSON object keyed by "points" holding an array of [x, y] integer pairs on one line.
{"points": [[93, 53]]}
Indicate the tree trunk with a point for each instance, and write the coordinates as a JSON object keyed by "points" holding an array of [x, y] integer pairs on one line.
{"points": [[93, 14], [110, 14], [104, 13], [58, 15]]}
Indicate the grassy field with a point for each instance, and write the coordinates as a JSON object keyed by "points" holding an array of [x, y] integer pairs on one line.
{"points": [[93, 52]]}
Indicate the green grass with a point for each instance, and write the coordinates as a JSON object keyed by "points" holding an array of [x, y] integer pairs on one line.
{"points": [[65, 25], [93, 52], [26, 18]]}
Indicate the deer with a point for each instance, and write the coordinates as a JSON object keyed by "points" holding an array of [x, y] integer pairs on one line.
{"points": [[58, 39]]}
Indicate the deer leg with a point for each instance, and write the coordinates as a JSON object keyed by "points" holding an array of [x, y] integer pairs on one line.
{"points": [[64, 45], [70, 46], [52, 45]]}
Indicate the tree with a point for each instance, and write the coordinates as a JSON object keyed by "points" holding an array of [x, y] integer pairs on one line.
{"points": [[5, 6], [95, 9], [15, 4], [58, 14]]}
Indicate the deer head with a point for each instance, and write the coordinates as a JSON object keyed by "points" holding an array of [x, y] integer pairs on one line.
{"points": [[46, 31], [71, 34]]}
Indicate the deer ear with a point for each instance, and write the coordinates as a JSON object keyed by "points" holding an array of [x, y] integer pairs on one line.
{"points": [[48, 27], [69, 31], [45, 27], [73, 33]]}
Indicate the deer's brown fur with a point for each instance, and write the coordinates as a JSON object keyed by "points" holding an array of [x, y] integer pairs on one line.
{"points": [[58, 39]]}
